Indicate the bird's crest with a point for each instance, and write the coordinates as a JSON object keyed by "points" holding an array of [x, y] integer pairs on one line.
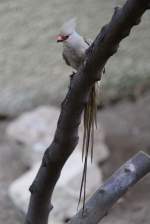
{"points": [[68, 27]]}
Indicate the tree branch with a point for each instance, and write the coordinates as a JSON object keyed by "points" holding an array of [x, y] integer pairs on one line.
{"points": [[66, 136], [114, 188]]}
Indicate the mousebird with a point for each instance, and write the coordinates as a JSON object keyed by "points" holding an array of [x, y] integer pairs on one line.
{"points": [[74, 51]]}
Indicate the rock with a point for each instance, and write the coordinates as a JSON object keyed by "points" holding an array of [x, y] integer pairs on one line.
{"points": [[34, 131], [32, 70], [66, 193]]}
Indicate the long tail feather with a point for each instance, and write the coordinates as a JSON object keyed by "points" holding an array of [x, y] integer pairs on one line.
{"points": [[88, 139], [84, 150]]}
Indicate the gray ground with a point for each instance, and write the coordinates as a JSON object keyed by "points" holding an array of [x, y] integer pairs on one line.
{"points": [[127, 129], [32, 71]]}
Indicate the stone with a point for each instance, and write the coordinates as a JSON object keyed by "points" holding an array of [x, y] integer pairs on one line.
{"points": [[66, 193], [31, 66], [34, 131]]}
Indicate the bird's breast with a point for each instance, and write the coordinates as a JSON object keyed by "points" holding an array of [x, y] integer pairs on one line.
{"points": [[74, 57]]}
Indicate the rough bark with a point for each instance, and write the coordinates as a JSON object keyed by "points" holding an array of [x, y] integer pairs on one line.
{"points": [[114, 188], [66, 135]]}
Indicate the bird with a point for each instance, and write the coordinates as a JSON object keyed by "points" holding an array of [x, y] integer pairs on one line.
{"points": [[74, 52]]}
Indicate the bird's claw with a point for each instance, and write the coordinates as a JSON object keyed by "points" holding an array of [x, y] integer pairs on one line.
{"points": [[72, 75]]}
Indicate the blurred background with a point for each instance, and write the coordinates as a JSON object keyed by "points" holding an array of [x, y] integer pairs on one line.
{"points": [[33, 82]]}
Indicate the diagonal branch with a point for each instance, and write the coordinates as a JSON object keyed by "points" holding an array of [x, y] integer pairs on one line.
{"points": [[66, 136], [114, 188]]}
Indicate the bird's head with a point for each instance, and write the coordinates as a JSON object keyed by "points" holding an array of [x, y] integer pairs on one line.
{"points": [[66, 30]]}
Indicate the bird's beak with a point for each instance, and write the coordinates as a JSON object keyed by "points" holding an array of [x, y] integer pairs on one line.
{"points": [[60, 39]]}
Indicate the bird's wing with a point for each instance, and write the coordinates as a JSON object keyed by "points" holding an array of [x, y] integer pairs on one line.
{"points": [[65, 59]]}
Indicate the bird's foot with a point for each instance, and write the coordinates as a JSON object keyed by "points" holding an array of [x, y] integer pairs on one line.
{"points": [[72, 75], [71, 78]]}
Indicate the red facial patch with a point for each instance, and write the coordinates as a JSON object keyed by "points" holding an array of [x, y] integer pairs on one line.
{"points": [[62, 38]]}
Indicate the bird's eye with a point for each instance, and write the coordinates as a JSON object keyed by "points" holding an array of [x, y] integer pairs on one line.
{"points": [[66, 37]]}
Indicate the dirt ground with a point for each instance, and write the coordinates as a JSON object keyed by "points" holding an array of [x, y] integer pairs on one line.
{"points": [[127, 130], [134, 207]]}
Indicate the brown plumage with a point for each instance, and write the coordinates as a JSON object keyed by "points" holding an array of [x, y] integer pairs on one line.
{"points": [[74, 48]]}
